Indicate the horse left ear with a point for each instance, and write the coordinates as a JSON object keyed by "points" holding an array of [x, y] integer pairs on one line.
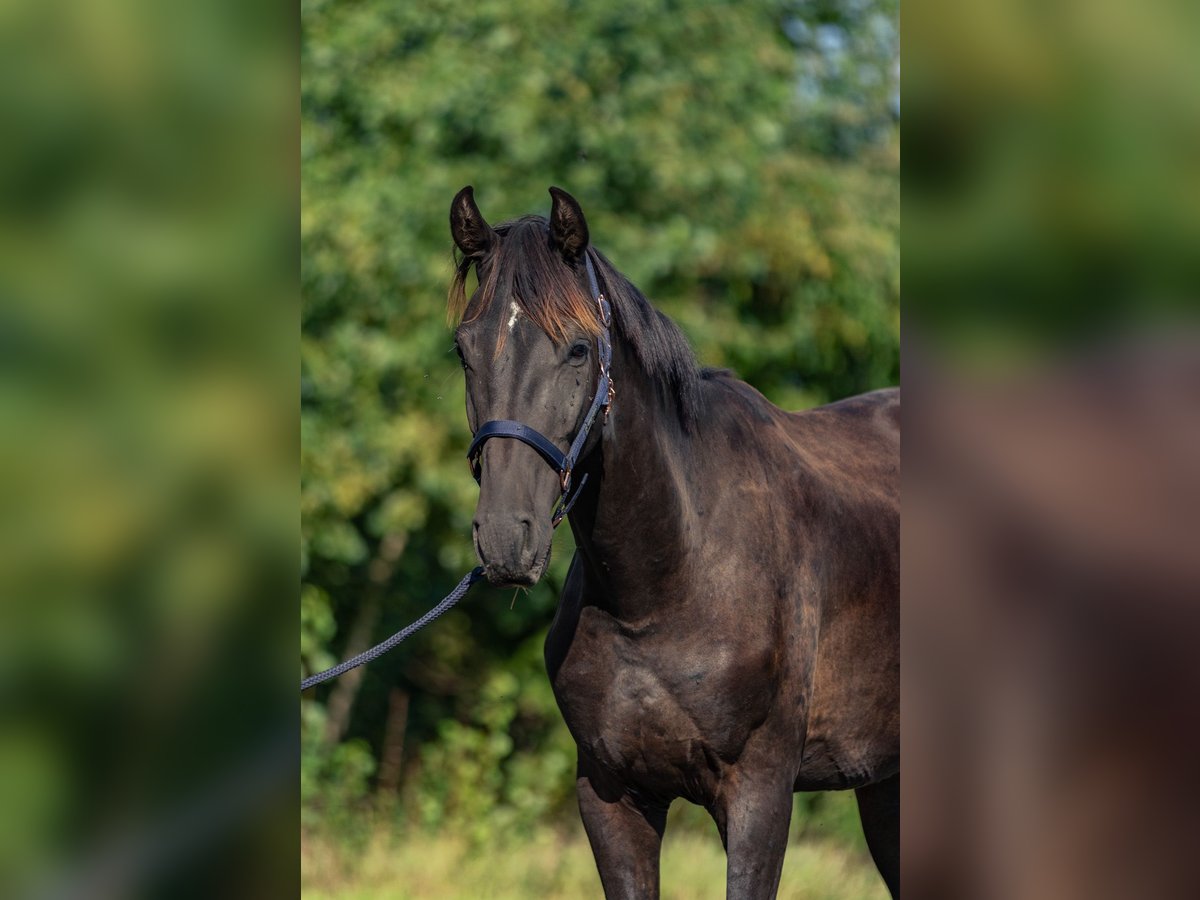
{"points": [[568, 227], [471, 233]]}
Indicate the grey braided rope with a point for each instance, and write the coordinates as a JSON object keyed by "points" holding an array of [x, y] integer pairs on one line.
{"points": [[379, 649]]}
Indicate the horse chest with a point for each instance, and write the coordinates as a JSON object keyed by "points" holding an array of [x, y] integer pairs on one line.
{"points": [[659, 710]]}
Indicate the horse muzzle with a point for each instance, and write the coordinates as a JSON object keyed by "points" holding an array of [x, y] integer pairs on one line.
{"points": [[512, 548]]}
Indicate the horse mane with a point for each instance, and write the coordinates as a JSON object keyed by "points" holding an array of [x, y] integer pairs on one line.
{"points": [[527, 268]]}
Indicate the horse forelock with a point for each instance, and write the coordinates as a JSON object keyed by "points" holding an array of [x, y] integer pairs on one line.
{"points": [[525, 270]]}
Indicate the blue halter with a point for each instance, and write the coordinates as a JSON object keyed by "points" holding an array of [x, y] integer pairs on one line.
{"points": [[563, 463]]}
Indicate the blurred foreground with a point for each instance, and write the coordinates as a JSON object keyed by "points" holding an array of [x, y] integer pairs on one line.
{"points": [[147, 451], [1051, 627], [1051, 538]]}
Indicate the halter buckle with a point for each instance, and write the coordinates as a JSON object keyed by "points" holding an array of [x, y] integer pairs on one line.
{"points": [[564, 479], [605, 311]]}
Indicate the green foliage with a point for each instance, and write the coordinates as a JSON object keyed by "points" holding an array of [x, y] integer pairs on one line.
{"points": [[738, 161], [334, 780], [476, 779]]}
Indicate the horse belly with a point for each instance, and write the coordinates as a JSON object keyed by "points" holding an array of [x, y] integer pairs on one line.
{"points": [[853, 727], [839, 765]]}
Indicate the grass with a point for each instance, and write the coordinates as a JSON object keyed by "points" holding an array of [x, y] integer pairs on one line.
{"points": [[558, 864]]}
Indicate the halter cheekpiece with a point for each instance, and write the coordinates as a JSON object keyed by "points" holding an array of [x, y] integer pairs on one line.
{"points": [[563, 463]]}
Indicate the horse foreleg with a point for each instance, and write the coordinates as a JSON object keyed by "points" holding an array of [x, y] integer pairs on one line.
{"points": [[753, 817], [625, 834], [879, 810]]}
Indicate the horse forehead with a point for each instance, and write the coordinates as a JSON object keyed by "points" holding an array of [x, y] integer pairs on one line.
{"points": [[510, 341], [504, 331], [523, 343], [492, 324]]}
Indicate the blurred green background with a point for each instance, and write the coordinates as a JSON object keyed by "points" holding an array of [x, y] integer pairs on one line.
{"points": [[148, 423], [740, 163], [1051, 237]]}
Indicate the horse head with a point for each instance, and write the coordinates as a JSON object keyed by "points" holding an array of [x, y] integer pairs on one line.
{"points": [[533, 341]]}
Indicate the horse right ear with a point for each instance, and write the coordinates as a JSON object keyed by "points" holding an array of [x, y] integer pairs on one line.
{"points": [[568, 227], [473, 236]]}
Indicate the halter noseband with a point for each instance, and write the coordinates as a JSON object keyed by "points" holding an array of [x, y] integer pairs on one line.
{"points": [[563, 463]]}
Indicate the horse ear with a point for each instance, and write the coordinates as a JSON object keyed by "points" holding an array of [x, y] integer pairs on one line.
{"points": [[473, 236], [568, 227]]}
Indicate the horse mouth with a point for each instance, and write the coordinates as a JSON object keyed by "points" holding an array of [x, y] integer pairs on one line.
{"points": [[502, 577]]}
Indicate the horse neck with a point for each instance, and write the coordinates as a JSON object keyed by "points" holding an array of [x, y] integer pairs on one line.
{"points": [[632, 522]]}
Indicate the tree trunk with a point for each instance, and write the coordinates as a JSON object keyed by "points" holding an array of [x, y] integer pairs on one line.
{"points": [[392, 757]]}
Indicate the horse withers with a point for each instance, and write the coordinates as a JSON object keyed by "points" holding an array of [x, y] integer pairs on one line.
{"points": [[729, 628]]}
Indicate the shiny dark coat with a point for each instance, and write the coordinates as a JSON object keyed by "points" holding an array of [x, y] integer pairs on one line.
{"points": [[729, 628]]}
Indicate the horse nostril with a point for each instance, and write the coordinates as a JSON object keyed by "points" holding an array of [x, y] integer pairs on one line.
{"points": [[475, 540], [527, 548]]}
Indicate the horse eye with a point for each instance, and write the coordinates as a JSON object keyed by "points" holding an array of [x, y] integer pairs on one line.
{"points": [[462, 359], [579, 350]]}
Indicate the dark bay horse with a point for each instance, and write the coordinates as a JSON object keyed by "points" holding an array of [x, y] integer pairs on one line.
{"points": [[729, 628]]}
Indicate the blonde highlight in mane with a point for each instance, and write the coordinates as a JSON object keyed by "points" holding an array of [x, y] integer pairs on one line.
{"points": [[527, 270]]}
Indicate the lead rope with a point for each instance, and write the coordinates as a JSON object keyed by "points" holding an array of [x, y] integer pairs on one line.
{"points": [[403, 634]]}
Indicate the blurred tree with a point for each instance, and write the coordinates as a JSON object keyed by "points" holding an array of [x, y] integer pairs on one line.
{"points": [[739, 161]]}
